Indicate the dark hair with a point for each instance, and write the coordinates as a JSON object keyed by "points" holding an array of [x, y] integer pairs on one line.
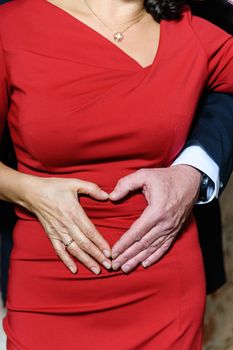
{"points": [[165, 9]]}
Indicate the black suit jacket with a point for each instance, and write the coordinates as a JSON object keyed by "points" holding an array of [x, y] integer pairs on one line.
{"points": [[213, 131]]}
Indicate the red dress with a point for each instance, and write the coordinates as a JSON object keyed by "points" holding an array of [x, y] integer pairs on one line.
{"points": [[79, 107]]}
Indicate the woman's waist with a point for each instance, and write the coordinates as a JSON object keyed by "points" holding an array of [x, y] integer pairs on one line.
{"points": [[32, 243]]}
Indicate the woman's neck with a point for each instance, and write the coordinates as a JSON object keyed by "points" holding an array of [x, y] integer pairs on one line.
{"points": [[119, 11]]}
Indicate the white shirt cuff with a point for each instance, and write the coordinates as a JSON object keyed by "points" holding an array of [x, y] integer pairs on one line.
{"points": [[196, 157]]}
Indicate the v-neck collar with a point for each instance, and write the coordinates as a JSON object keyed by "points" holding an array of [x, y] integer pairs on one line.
{"points": [[106, 40]]}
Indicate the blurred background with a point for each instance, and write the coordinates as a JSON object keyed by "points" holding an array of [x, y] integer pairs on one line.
{"points": [[219, 312]]}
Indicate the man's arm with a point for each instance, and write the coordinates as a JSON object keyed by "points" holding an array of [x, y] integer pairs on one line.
{"points": [[175, 189], [210, 145]]}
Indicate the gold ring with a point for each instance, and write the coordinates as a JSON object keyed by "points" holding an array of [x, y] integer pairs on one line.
{"points": [[69, 243]]}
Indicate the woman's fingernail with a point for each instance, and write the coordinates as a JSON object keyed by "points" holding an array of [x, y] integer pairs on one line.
{"points": [[72, 269], [116, 266], [96, 270], [145, 264], [105, 194], [125, 268], [107, 265], [107, 253], [115, 255]]}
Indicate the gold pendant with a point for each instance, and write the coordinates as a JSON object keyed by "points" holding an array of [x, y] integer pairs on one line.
{"points": [[118, 36]]}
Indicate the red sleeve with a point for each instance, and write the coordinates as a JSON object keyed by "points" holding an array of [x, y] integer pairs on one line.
{"points": [[218, 48], [4, 101]]}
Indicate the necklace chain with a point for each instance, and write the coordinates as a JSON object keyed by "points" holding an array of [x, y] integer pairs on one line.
{"points": [[118, 35]]}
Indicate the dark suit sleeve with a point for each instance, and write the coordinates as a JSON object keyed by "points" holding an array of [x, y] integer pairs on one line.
{"points": [[213, 131]]}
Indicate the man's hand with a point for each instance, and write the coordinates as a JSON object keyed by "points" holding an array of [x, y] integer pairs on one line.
{"points": [[171, 194]]}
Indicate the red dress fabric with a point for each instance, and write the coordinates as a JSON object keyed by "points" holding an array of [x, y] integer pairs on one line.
{"points": [[79, 107]]}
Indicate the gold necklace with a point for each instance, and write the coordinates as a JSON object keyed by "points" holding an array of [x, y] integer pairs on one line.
{"points": [[118, 35]]}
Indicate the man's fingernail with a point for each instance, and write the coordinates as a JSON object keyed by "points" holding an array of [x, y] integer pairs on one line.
{"points": [[115, 255], [125, 268], [72, 269], [107, 265], [116, 266], [145, 264], [113, 195], [96, 270], [107, 253]]}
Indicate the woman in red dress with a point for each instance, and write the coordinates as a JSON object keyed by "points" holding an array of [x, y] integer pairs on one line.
{"points": [[87, 107]]}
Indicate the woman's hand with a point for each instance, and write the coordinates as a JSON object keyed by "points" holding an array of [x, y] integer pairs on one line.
{"points": [[171, 194], [55, 202]]}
